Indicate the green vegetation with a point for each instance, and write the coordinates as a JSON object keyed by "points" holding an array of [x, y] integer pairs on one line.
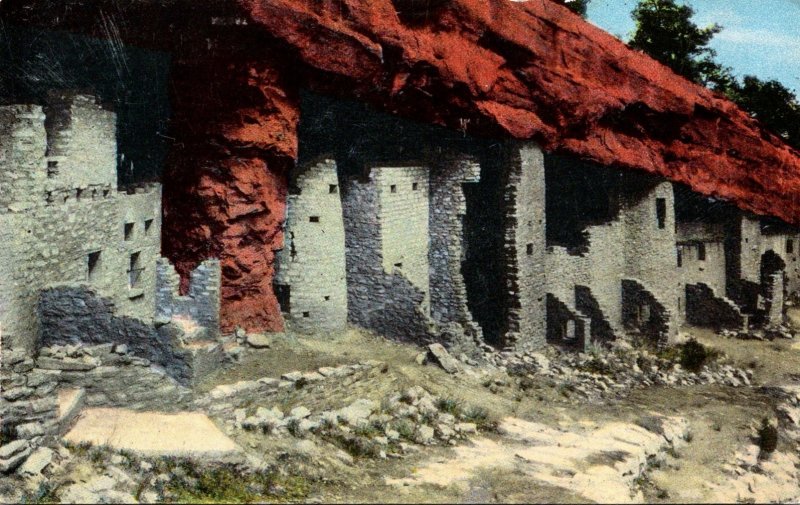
{"points": [[228, 484], [692, 355], [767, 438], [665, 31]]}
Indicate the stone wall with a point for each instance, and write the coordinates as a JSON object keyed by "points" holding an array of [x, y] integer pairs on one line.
{"points": [[22, 163], [79, 316], [74, 227], [524, 248], [705, 307], [448, 208], [200, 304], [650, 255], [386, 243], [311, 278], [81, 142]]}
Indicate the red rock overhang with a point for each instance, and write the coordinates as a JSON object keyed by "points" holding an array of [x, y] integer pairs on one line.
{"points": [[496, 68]]}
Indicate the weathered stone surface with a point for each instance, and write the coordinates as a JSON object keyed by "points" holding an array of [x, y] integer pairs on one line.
{"points": [[37, 461], [258, 340], [443, 358]]}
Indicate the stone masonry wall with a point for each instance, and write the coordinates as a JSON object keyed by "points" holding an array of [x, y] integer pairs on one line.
{"points": [[384, 228], [709, 271], [524, 250], [650, 255], [22, 163], [81, 142], [311, 266], [404, 211], [91, 235], [447, 248], [200, 304]]}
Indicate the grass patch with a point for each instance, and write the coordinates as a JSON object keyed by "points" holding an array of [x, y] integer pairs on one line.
{"points": [[229, 484]]}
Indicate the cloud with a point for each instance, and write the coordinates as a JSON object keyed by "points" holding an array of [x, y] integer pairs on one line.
{"points": [[758, 37]]}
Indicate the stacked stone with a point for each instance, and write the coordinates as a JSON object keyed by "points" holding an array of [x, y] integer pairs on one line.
{"points": [[22, 163], [113, 377], [447, 249], [311, 265], [200, 304], [28, 408]]}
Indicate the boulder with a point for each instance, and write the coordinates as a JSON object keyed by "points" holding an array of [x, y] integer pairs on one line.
{"points": [[37, 461], [258, 341], [438, 354]]}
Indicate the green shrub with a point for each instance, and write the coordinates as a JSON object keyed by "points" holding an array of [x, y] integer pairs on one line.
{"points": [[767, 438], [695, 355]]}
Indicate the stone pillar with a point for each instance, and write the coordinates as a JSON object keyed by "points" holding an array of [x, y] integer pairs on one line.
{"points": [[447, 248], [225, 183], [524, 249], [311, 266], [775, 300]]}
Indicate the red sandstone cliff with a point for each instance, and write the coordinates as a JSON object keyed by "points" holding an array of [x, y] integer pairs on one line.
{"points": [[525, 70]]}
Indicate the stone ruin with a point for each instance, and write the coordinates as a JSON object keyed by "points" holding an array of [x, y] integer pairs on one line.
{"points": [[86, 302], [515, 248]]}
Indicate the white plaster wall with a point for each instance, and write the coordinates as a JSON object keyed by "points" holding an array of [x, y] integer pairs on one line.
{"points": [[404, 224], [312, 261]]}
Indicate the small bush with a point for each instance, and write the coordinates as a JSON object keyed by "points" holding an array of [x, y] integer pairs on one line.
{"points": [[695, 355], [692, 355], [405, 429], [767, 438], [449, 405]]}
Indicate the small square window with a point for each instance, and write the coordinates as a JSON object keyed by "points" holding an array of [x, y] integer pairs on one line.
{"points": [[398, 265], [147, 225], [327, 298], [52, 168], [332, 188], [306, 314], [128, 231], [529, 249], [313, 219], [414, 186], [393, 188]]}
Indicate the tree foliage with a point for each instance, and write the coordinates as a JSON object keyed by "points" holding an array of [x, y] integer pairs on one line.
{"points": [[665, 31]]}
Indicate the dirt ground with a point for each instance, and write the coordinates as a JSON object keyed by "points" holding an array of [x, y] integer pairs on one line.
{"points": [[721, 419]]}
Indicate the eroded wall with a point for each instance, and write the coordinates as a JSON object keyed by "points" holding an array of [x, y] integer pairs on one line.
{"points": [[310, 281], [72, 231], [386, 238]]}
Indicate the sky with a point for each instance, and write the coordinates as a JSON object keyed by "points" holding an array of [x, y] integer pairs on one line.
{"points": [[759, 37]]}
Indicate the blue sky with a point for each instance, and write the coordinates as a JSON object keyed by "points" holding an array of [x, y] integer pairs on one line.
{"points": [[759, 37]]}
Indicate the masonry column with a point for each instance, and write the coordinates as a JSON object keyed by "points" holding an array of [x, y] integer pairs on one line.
{"points": [[524, 246], [447, 248], [234, 127]]}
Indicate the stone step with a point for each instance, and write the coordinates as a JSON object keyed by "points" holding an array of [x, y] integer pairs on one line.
{"points": [[70, 403]]}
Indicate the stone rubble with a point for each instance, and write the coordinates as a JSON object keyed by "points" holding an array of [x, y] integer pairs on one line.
{"points": [[602, 373], [387, 429]]}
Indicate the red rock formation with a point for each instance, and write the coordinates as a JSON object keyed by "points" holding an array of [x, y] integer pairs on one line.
{"points": [[225, 182], [524, 70]]}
